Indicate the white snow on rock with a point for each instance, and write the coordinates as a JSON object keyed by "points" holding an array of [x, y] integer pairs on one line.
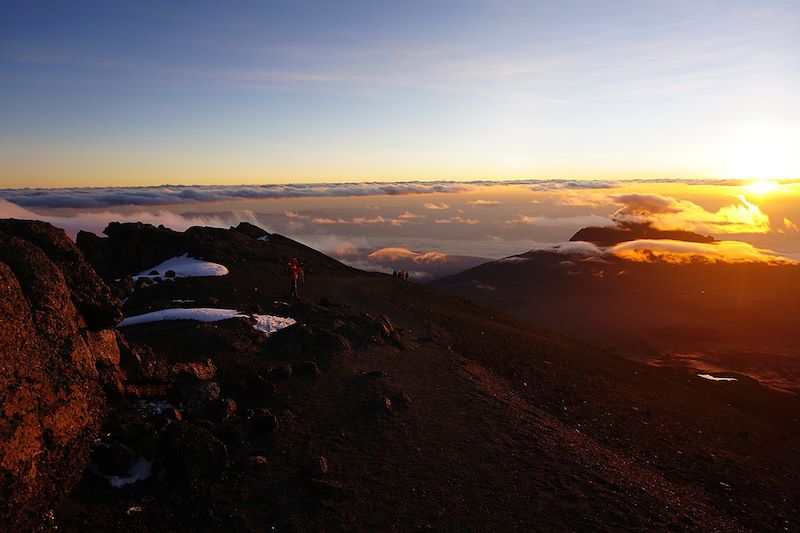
{"points": [[266, 323], [264, 238], [715, 378], [185, 267], [140, 469]]}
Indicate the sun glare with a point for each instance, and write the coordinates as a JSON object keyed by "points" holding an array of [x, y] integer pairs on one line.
{"points": [[763, 187]]}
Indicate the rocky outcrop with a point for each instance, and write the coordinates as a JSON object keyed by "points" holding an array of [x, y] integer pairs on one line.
{"points": [[57, 345], [130, 247], [632, 232]]}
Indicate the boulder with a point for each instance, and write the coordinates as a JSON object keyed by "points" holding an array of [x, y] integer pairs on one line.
{"points": [[319, 467], [190, 453], [250, 230], [56, 339], [189, 387], [112, 459], [307, 368]]}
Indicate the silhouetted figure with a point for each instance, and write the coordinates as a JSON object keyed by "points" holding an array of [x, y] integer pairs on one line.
{"points": [[297, 275]]}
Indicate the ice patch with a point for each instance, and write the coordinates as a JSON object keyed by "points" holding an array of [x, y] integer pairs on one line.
{"points": [[266, 323], [715, 378], [264, 238], [185, 267], [140, 469]]}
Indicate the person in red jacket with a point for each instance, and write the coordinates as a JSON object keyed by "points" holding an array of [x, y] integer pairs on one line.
{"points": [[297, 275]]}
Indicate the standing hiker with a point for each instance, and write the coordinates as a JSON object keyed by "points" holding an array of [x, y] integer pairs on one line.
{"points": [[297, 275]]}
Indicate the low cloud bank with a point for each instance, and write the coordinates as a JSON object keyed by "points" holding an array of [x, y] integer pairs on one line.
{"points": [[102, 197], [680, 252], [395, 253], [574, 221], [674, 252]]}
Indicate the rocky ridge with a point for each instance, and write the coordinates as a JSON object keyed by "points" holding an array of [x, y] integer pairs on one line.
{"points": [[58, 350]]}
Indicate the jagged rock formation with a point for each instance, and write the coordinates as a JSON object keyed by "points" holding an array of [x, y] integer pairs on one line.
{"points": [[129, 248], [57, 344], [632, 232]]}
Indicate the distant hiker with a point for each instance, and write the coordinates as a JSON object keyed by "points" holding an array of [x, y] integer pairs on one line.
{"points": [[297, 275]]}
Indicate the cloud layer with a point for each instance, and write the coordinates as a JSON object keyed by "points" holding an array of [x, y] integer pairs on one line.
{"points": [[667, 213], [101, 197], [674, 252]]}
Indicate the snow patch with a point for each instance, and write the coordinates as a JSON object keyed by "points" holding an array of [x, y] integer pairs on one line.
{"points": [[140, 469], [185, 267], [715, 378], [266, 323], [264, 238]]}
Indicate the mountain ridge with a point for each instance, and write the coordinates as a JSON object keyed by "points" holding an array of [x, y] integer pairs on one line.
{"points": [[392, 406]]}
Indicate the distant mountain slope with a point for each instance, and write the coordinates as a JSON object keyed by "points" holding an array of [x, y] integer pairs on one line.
{"points": [[631, 231], [707, 316]]}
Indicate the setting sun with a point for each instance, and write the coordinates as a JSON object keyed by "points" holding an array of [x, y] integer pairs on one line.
{"points": [[763, 187]]}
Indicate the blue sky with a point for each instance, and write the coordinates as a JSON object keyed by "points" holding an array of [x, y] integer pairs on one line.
{"points": [[136, 93]]}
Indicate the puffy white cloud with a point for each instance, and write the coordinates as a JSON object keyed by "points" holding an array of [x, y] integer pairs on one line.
{"points": [[408, 215], [395, 253], [458, 220], [436, 206]]}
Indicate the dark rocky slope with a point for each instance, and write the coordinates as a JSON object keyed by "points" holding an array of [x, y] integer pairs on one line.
{"points": [[391, 406], [703, 316], [57, 346]]}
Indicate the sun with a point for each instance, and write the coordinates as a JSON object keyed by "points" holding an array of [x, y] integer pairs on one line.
{"points": [[763, 187]]}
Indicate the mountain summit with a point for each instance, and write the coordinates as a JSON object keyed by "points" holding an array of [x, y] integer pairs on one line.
{"points": [[374, 403]]}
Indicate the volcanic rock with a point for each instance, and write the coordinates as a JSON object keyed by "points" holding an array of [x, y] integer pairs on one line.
{"points": [[307, 368], [55, 320], [112, 459], [190, 452], [189, 387], [262, 420], [280, 373], [250, 230], [319, 467]]}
